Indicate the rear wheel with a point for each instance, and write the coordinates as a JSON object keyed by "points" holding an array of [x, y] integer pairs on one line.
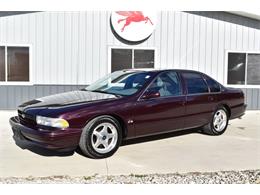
{"points": [[101, 137], [219, 122]]}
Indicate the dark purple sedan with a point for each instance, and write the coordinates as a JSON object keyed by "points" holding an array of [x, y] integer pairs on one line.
{"points": [[128, 104]]}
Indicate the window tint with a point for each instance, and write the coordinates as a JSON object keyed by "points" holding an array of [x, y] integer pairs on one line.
{"points": [[213, 85], [195, 83], [236, 68], [253, 69], [167, 84]]}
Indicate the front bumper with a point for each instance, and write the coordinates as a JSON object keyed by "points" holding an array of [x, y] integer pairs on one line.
{"points": [[56, 140]]}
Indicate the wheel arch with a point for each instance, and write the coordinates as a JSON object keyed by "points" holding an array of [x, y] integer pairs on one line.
{"points": [[122, 124], [226, 107], [117, 117]]}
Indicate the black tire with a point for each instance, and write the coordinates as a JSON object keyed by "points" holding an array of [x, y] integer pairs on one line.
{"points": [[209, 129], [85, 139]]}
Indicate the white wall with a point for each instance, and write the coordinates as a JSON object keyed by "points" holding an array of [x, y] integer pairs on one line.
{"points": [[72, 47]]}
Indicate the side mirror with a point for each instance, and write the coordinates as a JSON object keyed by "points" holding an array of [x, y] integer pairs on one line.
{"points": [[150, 94]]}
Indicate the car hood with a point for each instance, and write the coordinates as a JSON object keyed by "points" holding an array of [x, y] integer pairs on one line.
{"points": [[63, 99]]}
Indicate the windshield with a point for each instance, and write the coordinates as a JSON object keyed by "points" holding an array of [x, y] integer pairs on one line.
{"points": [[123, 83]]}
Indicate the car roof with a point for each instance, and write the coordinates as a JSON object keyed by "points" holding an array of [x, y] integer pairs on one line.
{"points": [[159, 70]]}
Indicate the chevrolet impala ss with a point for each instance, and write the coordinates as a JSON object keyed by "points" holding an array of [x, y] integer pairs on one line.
{"points": [[127, 104]]}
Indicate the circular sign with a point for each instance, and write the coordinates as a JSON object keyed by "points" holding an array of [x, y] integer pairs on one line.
{"points": [[133, 25]]}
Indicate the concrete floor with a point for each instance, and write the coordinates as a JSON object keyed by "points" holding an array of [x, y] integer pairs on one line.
{"points": [[237, 149]]}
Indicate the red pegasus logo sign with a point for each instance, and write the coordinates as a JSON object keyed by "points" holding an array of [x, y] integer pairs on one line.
{"points": [[132, 16], [133, 26]]}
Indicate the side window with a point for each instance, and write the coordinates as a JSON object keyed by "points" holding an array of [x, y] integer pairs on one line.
{"points": [[195, 83], [213, 85], [167, 84]]}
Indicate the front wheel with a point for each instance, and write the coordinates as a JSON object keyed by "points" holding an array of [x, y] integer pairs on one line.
{"points": [[218, 124], [101, 137]]}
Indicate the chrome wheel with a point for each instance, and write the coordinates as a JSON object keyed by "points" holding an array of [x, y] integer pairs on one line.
{"points": [[104, 138], [220, 120]]}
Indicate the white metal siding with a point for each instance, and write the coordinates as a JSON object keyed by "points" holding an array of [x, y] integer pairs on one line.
{"points": [[71, 48]]}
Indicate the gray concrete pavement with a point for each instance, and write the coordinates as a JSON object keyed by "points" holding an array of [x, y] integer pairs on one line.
{"points": [[237, 149]]}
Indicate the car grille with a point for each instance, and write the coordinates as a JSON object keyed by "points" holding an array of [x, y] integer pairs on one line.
{"points": [[26, 119]]}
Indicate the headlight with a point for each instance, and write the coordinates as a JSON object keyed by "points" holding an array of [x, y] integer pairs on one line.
{"points": [[52, 122]]}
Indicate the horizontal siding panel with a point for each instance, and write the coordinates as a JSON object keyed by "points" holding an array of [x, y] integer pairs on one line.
{"points": [[12, 96]]}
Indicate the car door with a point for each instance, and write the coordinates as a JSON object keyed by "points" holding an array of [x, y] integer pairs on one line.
{"points": [[164, 113], [199, 101]]}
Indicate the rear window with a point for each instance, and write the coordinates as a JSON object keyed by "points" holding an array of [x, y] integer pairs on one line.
{"points": [[195, 83], [213, 85]]}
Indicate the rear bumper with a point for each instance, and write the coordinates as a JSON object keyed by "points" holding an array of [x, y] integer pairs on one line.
{"points": [[238, 111], [56, 140]]}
